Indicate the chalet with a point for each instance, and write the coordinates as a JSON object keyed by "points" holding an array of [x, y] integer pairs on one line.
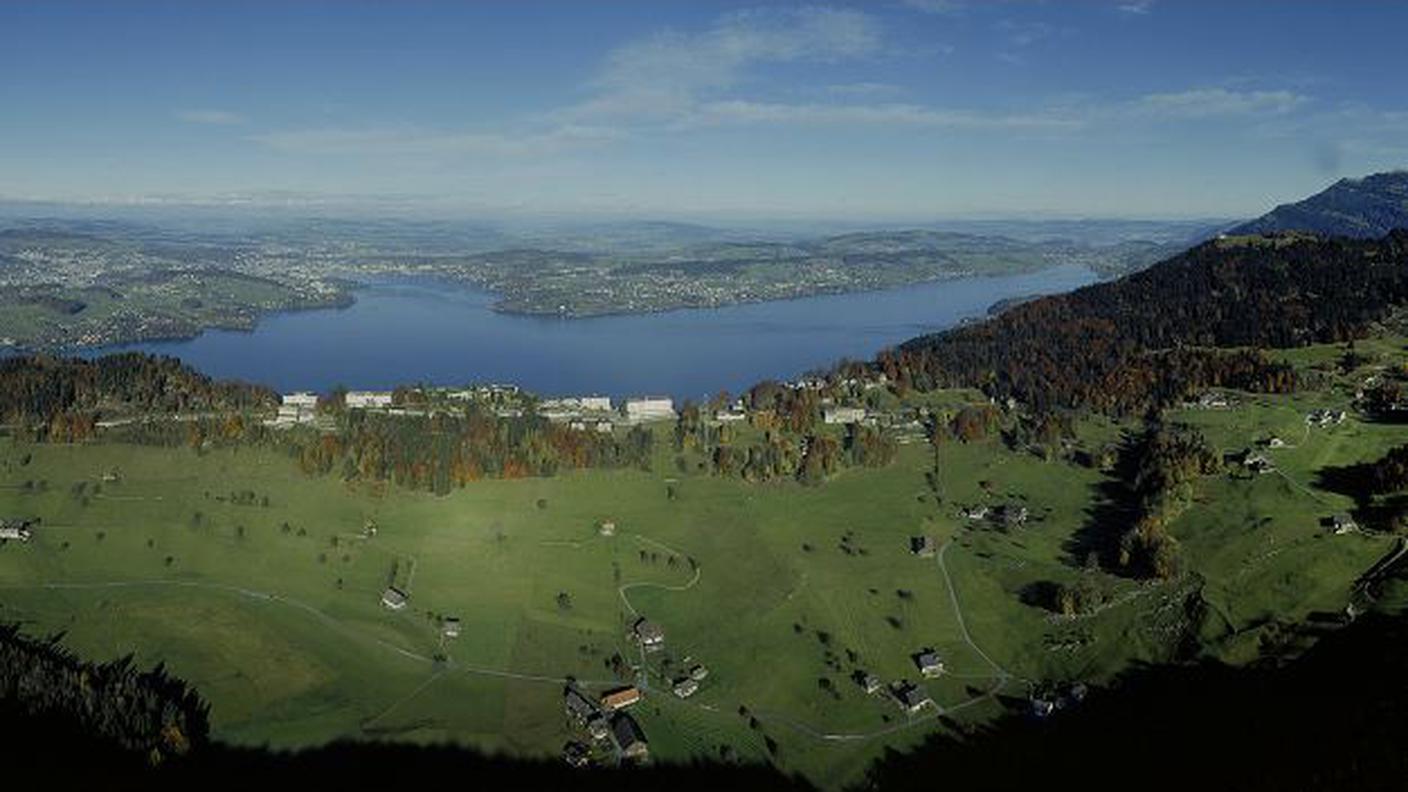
{"points": [[394, 598], [868, 682], [15, 529], [923, 546], [686, 687], [576, 754], [978, 512], [910, 697], [929, 663], [629, 738], [1275, 442], [620, 698], [450, 627], [650, 635], [1323, 418], [1258, 463], [581, 708], [1342, 524], [699, 673], [1212, 400], [1012, 515], [1042, 707]]}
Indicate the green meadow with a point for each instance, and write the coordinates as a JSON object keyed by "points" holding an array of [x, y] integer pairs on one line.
{"points": [[262, 586]]}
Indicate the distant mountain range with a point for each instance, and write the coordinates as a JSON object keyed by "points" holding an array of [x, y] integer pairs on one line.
{"points": [[1365, 208]]}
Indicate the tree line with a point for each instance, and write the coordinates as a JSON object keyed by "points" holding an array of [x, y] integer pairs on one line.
{"points": [[147, 713], [62, 399]]}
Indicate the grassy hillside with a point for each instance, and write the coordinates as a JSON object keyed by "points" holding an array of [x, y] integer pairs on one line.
{"points": [[261, 585]]}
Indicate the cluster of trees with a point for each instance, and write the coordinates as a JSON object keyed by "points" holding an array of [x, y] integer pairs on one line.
{"points": [[1156, 337], [61, 399], [443, 451], [1157, 472], [149, 713]]}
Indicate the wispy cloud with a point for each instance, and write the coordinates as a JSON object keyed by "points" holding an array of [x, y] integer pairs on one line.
{"points": [[1136, 7], [666, 74], [890, 114], [1210, 102], [211, 117], [935, 6], [857, 89], [418, 141]]}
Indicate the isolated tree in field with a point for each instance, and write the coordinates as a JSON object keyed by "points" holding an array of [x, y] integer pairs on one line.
{"points": [[564, 601]]}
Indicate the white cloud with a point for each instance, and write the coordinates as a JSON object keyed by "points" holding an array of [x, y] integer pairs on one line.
{"points": [[211, 117], [1136, 7], [1210, 102]]}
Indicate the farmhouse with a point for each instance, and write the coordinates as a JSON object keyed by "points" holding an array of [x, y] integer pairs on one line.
{"points": [[699, 673], [394, 598], [597, 727], [620, 698], [686, 687], [923, 546], [650, 408], [606, 528], [579, 706], [450, 627], [368, 400], [576, 754], [650, 634], [15, 529], [929, 663], [910, 697], [629, 738], [843, 415]]}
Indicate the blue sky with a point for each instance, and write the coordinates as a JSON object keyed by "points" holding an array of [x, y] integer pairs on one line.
{"points": [[900, 109]]}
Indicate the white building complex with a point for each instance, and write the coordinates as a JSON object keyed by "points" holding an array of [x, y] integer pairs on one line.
{"points": [[843, 415], [650, 408]]}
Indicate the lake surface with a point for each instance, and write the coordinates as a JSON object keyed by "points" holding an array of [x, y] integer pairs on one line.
{"points": [[418, 332]]}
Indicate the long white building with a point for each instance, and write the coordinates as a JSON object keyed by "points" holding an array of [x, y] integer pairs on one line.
{"points": [[650, 408], [367, 400]]}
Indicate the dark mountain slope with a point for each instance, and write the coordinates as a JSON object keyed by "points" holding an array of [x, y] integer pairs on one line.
{"points": [[1364, 208], [1155, 337]]}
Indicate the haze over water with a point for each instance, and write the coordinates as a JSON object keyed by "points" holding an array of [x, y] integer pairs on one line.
{"points": [[417, 332]]}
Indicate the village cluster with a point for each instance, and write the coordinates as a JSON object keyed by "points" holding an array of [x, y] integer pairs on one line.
{"points": [[609, 731]]}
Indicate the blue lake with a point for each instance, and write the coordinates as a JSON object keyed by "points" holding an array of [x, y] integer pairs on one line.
{"points": [[418, 332]]}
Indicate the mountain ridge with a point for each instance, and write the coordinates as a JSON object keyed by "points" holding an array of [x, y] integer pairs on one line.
{"points": [[1364, 208]]}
